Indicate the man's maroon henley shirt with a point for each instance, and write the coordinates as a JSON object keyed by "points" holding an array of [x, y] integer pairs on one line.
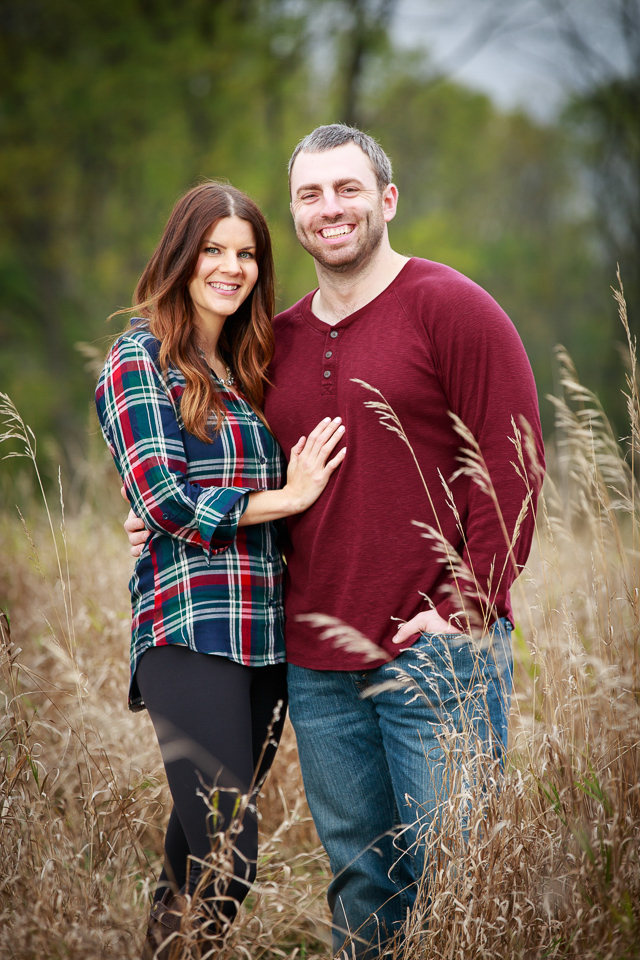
{"points": [[433, 343]]}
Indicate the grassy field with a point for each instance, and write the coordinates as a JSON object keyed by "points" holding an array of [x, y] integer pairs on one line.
{"points": [[552, 867]]}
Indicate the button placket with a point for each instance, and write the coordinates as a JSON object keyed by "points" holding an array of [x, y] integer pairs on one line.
{"points": [[261, 451], [329, 362]]}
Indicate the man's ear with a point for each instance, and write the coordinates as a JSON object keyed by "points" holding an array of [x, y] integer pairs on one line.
{"points": [[389, 201]]}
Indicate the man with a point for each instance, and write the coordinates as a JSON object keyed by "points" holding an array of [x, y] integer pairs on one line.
{"points": [[401, 535]]}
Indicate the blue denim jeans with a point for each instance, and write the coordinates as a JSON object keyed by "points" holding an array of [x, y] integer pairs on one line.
{"points": [[376, 766]]}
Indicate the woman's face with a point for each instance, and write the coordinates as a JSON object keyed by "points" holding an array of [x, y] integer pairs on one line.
{"points": [[226, 271]]}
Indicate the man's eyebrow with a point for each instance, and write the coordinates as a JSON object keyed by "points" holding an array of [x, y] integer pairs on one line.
{"points": [[308, 186], [346, 180], [336, 184]]}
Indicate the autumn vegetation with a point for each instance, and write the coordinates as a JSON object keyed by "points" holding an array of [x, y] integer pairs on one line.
{"points": [[550, 863]]}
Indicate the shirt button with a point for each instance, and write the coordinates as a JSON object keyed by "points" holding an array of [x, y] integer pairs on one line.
{"points": [[271, 601], [263, 459], [254, 416], [334, 334], [328, 354], [327, 373], [268, 558]]}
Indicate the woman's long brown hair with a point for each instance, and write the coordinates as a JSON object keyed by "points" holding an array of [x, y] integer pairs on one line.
{"points": [[162, 297]]}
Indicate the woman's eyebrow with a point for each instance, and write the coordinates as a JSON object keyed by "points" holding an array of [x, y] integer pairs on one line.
{"points": [[216, 243]]}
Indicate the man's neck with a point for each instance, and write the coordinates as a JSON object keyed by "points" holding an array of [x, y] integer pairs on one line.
{"points": [[341, 294]]}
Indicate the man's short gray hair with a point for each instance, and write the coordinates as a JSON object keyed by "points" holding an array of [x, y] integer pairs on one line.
{"points": [[335, 135]]}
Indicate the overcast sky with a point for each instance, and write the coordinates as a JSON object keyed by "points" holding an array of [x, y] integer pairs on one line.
{"points": [[524, 63]]}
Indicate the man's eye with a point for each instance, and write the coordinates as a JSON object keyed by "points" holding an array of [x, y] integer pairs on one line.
{"points": [[308, 196]]}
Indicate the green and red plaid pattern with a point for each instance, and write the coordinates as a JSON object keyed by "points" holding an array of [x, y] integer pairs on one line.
{"points": [[201, 580]]}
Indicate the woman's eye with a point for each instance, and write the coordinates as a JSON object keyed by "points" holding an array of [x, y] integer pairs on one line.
{"points": [[211, 250], [246, 255]]}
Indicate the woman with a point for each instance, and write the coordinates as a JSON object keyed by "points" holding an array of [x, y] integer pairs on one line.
{"points": [[179, 403]]}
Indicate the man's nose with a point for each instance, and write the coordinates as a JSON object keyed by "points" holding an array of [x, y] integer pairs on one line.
{"points": [[332, 204]]}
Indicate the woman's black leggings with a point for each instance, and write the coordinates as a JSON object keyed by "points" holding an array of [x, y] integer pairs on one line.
{"points": [[212, 719]]}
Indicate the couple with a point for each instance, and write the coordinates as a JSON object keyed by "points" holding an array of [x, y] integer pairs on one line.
{"points": [[197, 402]]}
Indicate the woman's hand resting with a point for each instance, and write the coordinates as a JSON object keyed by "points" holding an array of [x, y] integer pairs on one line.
{"points": [[310, 467], [307, 476]]}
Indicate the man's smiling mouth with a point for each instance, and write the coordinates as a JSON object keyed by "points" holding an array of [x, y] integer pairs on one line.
{"points": [[330, 233]]}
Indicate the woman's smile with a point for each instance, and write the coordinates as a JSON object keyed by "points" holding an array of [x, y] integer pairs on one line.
{"points": [[226, 271]]}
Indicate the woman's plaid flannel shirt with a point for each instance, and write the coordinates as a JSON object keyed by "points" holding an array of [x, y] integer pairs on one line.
{"points": [[201, 581]]}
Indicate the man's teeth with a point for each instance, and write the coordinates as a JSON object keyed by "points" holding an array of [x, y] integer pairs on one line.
{"points": [[329, 232]]}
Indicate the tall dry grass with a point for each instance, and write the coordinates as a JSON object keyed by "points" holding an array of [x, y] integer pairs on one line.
{"points": [[552, 863]]}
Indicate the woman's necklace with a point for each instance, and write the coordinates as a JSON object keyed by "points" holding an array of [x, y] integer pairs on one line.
{"points": [[230, 379]]}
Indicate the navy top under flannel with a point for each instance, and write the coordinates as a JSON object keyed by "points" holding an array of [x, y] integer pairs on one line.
{"points": [[201, 580]]}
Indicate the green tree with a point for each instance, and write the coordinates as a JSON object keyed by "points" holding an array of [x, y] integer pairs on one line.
{"points": [[109, 111]]}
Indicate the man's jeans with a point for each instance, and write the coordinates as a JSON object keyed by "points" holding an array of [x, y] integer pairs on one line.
{"points": [[373, 763]]}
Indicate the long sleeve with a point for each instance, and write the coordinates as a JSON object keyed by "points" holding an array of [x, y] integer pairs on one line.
{"points": [[139, 420], [488, 380]]}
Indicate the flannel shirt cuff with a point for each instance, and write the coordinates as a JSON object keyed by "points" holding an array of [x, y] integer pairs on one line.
{"points": [[217, 513]]}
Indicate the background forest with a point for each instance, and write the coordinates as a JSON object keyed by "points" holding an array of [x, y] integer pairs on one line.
{"points": [[108, 111]]}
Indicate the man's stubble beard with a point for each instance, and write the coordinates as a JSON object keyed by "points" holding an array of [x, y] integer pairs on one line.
{"points": [[374, 235]]}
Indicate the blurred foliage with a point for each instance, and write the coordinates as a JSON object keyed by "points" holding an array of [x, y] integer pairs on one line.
{"points": [[108, 112], [605, 123]]}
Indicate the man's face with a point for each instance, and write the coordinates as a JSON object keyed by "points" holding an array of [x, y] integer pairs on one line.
{"points": [[338, 212]]}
